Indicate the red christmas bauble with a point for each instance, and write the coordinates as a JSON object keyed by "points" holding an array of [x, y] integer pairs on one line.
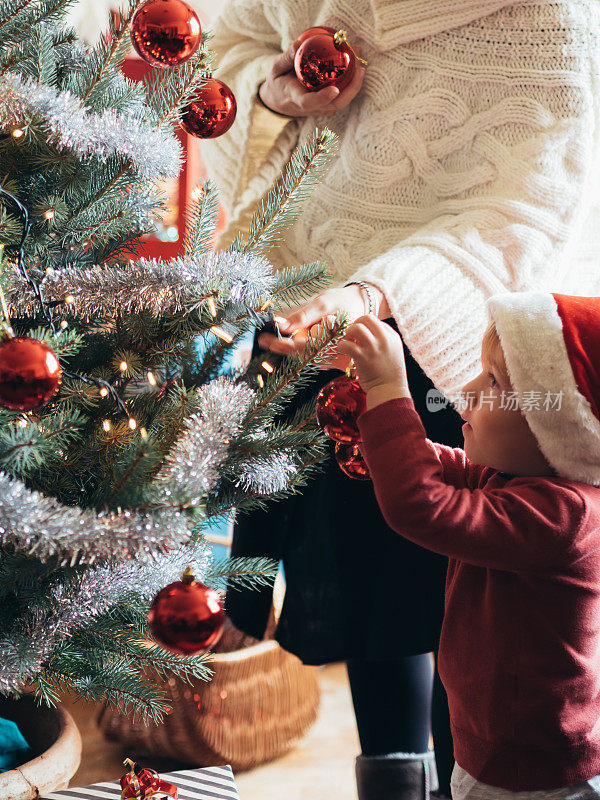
{"points": [[147, 780], [212, 112], [312, 31], [186, 617], [320, 61], [339, 404], [165, 33], [30, 374], [350, 461]]}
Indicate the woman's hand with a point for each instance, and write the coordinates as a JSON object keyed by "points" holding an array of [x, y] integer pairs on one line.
{"points": [[321, 310], [378, 354], [283, 92]]}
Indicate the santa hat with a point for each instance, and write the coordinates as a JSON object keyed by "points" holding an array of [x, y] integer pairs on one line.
{"points": [[551, 345]]}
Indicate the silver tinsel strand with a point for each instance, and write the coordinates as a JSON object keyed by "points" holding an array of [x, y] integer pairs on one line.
{"points": [[267, 474], [23, 652], [192, 466], [153, 153], [39, 525], [161, 287]]}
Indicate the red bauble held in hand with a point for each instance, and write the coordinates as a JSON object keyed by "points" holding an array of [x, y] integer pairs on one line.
{"points": [[212, 112], [186, 617], [339, 404], [325, 60], [165, 33], [312, 31], [30, 374], [350, 461]]}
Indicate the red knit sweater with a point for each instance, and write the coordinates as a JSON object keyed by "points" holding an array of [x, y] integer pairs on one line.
{"points": [[520, 646]]}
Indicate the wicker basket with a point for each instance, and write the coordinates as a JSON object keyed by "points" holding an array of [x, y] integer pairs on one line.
{"points": [[260, 701]]}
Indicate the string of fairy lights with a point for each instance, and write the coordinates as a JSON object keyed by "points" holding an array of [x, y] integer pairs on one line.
{"points": [[105, 387]]}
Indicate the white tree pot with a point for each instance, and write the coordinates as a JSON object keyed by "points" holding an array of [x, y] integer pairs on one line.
{"points": [[55, 749]]}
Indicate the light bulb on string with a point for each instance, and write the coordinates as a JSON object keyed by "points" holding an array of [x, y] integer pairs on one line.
{"points": [[64, 324], [17, 133], [151, 378], [267, 366], [104, 392], [226, 337], [49, 214], [106, 425], [143, 433], [260, 380], [132, 423], [70, 299], [123, 366], [212, 306]]}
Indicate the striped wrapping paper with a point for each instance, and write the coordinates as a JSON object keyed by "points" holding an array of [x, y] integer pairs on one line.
{"points": [[208, 783]]}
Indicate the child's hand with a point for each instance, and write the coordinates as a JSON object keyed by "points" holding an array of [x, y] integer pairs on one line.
{"points": [[379, 357]]}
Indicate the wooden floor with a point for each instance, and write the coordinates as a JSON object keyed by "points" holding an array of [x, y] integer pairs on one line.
{"points": [[320, 768]]}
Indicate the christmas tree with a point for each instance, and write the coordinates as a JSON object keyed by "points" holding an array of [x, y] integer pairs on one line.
{"points": [[107, 480]]}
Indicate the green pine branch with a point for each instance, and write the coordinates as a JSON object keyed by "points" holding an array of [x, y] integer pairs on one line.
{"points": [[284, 200], [201, 222], [242, 573]]}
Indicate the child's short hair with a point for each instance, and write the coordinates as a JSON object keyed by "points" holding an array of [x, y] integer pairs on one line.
{"points": [[492, 347]]}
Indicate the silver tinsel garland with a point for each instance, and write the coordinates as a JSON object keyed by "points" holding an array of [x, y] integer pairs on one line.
{"points": [[153, 152], [267, 474], [24, 650], [39, 525], [161, 287], [192, 466]]}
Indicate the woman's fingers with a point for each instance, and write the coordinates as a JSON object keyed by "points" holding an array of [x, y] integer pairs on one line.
{"points": [[284, 62], [349, 93], [284, 347], [314, 102], [308, 315]]}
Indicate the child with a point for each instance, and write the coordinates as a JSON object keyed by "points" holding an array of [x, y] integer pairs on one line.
{"points": [[518, 513]]}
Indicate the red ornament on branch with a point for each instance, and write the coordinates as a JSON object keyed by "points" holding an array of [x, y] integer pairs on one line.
{"points": [[187, 617], [212, 112], [30, 374], [165, 33], [325, 59], [351, 461], [339, 404]]}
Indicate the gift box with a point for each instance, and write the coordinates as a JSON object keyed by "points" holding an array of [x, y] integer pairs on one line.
{"points": [[207, 783]]}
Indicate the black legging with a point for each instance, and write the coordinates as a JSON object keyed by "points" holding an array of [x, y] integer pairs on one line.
{"points": [[393, 708]]}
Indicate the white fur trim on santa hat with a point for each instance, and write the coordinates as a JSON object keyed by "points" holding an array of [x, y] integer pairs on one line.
{"points": [[531, 334]]}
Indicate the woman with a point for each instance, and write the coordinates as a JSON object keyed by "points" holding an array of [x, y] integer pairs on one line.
{"points": [[466, 166]]}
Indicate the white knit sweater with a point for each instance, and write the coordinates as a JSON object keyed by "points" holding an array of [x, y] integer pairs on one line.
{"points": [[466, 166]]}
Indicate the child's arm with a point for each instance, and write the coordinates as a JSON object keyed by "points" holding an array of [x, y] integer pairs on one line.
{"points": [[458, 470], [528, 524], [379, 355]]}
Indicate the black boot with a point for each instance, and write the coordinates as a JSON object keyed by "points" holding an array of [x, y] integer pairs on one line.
{"points": [[395, 776]]}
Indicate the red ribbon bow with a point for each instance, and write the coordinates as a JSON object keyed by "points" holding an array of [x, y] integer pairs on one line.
{"points": [[140, 783]]}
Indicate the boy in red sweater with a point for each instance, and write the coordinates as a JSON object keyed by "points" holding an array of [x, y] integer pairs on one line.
{"points": [[518, 514]]}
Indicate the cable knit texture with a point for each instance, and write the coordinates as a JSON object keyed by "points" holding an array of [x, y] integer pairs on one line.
{"points": [[467, 164]]}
